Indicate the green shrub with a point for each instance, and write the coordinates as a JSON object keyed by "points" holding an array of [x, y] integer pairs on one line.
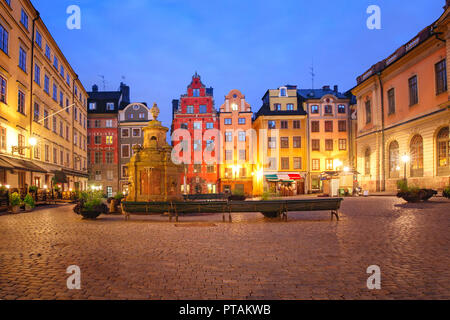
{"points": [[91, 204], [402, 185], [33, 189], [29, 201], [446, 192], [14, 199], [265, 196], [119, 196]]}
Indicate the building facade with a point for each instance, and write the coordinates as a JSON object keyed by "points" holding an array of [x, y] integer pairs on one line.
{"points": [[328, 133], [404, 116], [194, 115], [103, 138], [281, 128], [42, 106], [237, 156], [132, 119]]}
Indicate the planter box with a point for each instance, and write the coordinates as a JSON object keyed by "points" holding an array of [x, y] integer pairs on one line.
{"points": [[417, 196], [90, 214], [15, 209]]}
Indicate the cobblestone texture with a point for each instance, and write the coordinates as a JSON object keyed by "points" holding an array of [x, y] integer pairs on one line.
{"points": [[309, 257]]}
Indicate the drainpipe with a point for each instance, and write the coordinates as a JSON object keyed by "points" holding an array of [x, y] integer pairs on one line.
{"points": [[31, 86], [308, 156], [383, 150]]}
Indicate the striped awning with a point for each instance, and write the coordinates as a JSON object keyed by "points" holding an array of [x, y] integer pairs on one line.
{"points": [[271, 177], [295, 176]]}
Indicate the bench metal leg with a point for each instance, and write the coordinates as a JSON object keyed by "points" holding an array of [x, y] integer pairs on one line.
{"points": [[334, 213]]}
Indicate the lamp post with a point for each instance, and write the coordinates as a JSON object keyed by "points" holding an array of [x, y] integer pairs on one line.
{"points": [[405, 159]]}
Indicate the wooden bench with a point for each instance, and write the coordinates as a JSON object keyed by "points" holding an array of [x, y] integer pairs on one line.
{"points": [[273, 208]]}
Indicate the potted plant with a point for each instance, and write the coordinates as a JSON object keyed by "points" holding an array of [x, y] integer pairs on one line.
{"points": [[15, 202], [91, 205], [446, 192], [29, 203], [114, 202], [237, 196], [413, 194]]}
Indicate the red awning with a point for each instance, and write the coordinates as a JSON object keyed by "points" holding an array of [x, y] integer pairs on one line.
{"points": [[295, 177]]}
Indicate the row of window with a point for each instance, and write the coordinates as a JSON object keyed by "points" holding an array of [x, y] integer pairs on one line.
{"points": [[109, 139], [440, 72], [110, 123], [59, 155], [328, 109], [416, 163], [285, 163], [284, 142], [342, 126], [135, 132], [101, 157], [98, 175], [284, 124], [197, 125]]}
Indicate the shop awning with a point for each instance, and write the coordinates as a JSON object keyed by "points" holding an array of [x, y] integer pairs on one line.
{"points": [[21, 164], [271, 177], [295, 176], [285, 178], [5, 165], [60, 177], [75, 173]]}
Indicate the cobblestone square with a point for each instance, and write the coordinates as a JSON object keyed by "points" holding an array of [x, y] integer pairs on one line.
{"points": [[309, 257]]}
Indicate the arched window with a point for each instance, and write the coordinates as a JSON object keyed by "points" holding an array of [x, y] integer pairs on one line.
{"points": [[443, 152], [367, 162], [394, 162], [416, 152]]}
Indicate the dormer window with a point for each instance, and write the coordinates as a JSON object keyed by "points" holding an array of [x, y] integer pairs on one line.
{"points": [[234, 107], [283, 92], [110, 106], [196, 92], [92, 106]]}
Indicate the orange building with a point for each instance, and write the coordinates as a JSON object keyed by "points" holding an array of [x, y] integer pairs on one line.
{"points": [[236, 171], [404, 116]]}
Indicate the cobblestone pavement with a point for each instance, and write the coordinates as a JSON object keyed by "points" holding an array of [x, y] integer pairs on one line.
{"points": [[309, 257]]}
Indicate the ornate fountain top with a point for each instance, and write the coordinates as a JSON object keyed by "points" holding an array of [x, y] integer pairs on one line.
{"points": [[155, 111]]}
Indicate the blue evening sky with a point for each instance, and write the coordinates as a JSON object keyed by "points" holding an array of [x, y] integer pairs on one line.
{"points": [[157, 45]]}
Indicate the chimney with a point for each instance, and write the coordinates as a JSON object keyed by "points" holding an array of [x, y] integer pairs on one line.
{"points": [[326, 88], [94, 88], [336, 89], [125, 92]]}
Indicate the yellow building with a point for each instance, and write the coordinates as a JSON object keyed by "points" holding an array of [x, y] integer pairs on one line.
{"points": [[280, 125], [42, 105]]}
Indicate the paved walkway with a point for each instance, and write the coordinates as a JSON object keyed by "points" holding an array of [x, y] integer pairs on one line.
{"points": [[308, 257]]}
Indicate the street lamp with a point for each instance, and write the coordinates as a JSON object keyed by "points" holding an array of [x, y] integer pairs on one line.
{"points": [[32, 142], [405, 159]]}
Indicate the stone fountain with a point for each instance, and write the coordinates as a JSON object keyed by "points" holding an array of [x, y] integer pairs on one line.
{"points": [[152, 174]]}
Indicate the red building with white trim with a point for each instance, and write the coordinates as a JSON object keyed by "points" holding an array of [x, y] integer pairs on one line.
{"points": [[195, 112]]}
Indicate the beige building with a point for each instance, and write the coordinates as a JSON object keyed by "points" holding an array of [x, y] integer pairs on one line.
{"points": [[42, 106]]}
